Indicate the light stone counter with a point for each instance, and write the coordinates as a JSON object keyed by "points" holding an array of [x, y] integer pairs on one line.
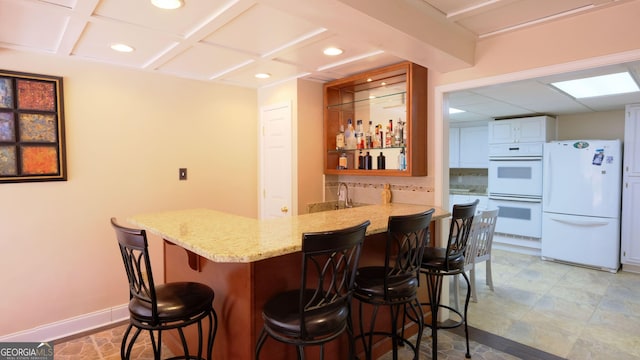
{"points": [[225, 238]]}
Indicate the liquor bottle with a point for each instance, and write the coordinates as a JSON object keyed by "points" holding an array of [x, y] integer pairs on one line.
{"points": [[361, 161], [350, 136], [397, 134], [369, 136], [342, 161], [359, 135], [368, 162], [388, 139], [376, 137], [402, 160], [381, 161], [340, 138]]}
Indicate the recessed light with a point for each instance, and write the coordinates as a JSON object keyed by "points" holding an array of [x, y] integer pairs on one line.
{"points": [[168, 4], [332, 51], [455, 111], [619, 83], [121, 47], [263, 75]]}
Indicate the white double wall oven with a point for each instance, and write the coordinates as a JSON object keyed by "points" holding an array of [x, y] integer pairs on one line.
{"points": [[515, 187]]}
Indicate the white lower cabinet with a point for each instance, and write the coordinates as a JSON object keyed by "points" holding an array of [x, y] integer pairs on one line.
{"points": [[630, 247]]}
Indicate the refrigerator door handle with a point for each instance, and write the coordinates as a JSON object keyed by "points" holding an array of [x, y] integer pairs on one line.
{"points": [[581, 222]]}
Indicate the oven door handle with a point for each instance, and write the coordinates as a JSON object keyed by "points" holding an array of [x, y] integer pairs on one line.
{"points": [[515, 158], [518, 199]]}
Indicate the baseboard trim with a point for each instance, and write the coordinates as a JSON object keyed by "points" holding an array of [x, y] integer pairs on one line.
{"points": [[69, 327]]}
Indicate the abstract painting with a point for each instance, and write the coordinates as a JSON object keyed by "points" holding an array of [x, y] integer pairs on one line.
{"points": [[32, 138]]}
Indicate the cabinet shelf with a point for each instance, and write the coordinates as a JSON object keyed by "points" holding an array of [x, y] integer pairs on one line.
{"points": [[397, 93]]}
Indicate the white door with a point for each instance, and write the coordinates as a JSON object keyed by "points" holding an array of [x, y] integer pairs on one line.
{"points": [[631, 139], [276, 161]]}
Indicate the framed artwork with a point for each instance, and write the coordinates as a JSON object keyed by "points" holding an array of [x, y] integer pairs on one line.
{"points": [[32, 144]]}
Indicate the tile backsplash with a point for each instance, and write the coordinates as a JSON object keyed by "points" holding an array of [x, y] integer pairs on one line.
{"points": [[368, 189]]}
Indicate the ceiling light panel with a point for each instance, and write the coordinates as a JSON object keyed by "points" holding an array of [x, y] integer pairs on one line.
{"points": [[603, 85]]}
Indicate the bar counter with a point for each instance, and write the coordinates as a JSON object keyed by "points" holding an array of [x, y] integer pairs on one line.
{"points": [[247, 260]]}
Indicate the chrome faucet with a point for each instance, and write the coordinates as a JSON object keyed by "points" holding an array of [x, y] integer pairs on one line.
{"points": [[347, 201]]}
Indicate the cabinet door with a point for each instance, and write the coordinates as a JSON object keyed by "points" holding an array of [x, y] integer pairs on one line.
{"points": [[630, 245], [502, 131], [454, 147], [631, 141], [474, 147], [532, 129]]}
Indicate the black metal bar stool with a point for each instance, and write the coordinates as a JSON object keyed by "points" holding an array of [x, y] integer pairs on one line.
{"points": [[440, 262], [319, 311], [395, 283], [162, 307]]}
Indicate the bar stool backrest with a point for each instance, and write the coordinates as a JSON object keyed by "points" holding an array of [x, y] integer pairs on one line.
{"points": [[135, 255], [329, 264], [407, 237], [459, 230]]}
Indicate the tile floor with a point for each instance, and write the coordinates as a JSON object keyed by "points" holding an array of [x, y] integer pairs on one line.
{"points": [[568, 311]]}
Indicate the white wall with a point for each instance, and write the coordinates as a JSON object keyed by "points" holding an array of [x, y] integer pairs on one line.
{"points": [[127, 133]]}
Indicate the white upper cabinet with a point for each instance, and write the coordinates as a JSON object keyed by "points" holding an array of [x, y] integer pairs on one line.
{"points": [[469, 147], [474, 147], [529, 129], [631, 146]]}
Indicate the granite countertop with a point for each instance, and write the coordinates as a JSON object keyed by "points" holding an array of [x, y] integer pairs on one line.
{"points": [[468, 191], [227, 238]]}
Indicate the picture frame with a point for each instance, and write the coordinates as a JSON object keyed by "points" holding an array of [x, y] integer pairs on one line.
{"points": [[32, 133]]}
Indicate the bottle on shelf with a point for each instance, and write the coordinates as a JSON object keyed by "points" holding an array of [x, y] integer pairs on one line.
{"points": [[397, 136], [376, 137], [340, 138], [368, 162], [402, 160], [350, 136], [361, 161], [381, 161], [369, 136], [359, 135], [388, 139], [343, 161]]}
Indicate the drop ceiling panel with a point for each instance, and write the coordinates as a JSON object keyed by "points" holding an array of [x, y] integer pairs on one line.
{"points": [[245, 76], [261, 30], [204, 61], [97, 38], [518, 13], [23, 24], [141, 12], [311, 55]]}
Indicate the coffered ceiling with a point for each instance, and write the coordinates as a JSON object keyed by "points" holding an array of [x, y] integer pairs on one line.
{"points": [[229, 41]]}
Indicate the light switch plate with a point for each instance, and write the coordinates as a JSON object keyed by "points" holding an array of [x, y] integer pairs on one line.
{"points": [[182, 173]]}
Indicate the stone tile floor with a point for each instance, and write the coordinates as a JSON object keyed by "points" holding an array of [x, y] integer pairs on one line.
{"points": [[568, 311]]}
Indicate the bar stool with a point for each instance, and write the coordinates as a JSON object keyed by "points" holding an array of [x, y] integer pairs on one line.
{"points": [[449, 261], [395, 284], [319, 311], [162, 307]]}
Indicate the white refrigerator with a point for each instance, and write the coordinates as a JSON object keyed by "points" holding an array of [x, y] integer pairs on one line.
{"points": [[581, 202]]}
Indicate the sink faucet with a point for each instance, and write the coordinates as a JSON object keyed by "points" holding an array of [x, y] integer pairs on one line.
{"points": [[347, 201]]}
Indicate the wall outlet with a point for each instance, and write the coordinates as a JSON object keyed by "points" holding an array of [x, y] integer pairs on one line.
{"points": [[182, 173]]}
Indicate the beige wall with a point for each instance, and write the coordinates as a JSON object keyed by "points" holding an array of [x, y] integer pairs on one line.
{"points": [[127, 133], [604, 125]]}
